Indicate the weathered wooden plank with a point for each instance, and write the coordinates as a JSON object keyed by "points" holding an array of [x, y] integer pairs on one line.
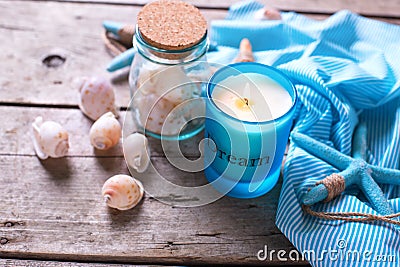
{"points": [[386, 8], [58, 202], [16, 134], [32, 31], [38, 263]]}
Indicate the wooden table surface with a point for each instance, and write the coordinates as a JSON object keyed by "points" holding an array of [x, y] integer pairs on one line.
{"points": [[51, 212]]}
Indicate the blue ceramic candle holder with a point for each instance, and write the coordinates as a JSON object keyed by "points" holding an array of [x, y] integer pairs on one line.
{"points": [[245, 156]]}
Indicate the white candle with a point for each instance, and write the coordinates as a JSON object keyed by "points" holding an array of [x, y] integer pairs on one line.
{"points": [[251, 97]]}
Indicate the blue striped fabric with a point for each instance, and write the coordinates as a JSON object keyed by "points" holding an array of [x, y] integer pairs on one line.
{"points": [[346, 69]]}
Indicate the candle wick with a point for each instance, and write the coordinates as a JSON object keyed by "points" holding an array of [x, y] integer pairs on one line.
{"points": [[246, 101]]}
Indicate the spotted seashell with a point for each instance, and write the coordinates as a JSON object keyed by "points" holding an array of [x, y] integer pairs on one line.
{"points": [[96, 97], [153, 110], [122, 192]]}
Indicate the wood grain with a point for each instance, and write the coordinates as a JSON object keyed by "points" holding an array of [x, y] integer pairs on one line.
{"points": [[38, 263], [387, 8], [16, 133], [58, 202], [51, 213], [69, 30], [72, 31]]}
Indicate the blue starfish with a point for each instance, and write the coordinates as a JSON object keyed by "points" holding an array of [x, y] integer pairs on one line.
{"points": [[353, 171]]}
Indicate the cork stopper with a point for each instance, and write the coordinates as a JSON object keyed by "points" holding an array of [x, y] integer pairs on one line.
{"points": [[171, 24]]}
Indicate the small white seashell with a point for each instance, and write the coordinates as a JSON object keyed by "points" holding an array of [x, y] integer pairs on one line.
{"points": [[174, 124], [96, 97], [190, 109], [122, 192], [169, 82], [50, 139], [159, 115], [268, 14], [105, 132], [245, 52], [153, 111], [137, 152], [146, 78]]}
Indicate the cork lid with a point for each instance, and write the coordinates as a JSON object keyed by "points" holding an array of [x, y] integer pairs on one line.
{"points": [[171, 24]]}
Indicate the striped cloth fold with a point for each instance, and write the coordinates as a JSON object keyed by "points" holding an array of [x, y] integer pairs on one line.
{"points": [[346, 70]]}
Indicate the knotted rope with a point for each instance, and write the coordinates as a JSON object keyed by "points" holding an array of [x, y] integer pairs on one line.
{"points": [[335, 185], [118, 44]]}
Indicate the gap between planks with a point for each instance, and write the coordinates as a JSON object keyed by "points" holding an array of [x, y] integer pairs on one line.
{"points": [[383, 9], [16, 134], [39, 86], [70, 215]]}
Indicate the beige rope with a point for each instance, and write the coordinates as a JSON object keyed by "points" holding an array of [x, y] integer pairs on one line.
{"points": [[335, 185], [124, 41], [125, 35], [352, 216], [112, 45]]}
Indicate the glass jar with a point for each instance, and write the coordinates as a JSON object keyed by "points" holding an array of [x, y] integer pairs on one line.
{"points": [[166, 88]]}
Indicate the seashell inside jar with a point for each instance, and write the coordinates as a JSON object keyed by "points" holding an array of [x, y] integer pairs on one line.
{"points": [[164, 76]]}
